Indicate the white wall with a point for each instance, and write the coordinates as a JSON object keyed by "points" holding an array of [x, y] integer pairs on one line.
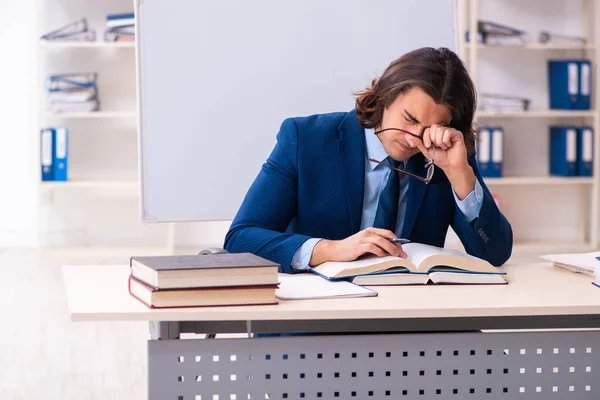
{"points": [[107, 149], [19, 169]]}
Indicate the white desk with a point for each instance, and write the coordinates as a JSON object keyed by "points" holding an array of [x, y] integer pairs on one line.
{"points": [[537, 296]]}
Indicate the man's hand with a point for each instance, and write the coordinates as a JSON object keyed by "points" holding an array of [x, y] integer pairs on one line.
{"points": [[371, 240], [446, 147]]}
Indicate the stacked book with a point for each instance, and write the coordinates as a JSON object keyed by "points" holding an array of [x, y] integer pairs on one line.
{"points": [[120, 27], [72, 93], [203, 280]]}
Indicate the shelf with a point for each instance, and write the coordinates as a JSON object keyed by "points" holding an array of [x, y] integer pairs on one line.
{"points": [[92, 114], [537, 248], [539, 180], [534, 46], [536, 114], [93, 184], [82, 44]]}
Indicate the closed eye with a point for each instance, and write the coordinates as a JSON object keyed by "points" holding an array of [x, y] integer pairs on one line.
{"points": [[410, 118]]}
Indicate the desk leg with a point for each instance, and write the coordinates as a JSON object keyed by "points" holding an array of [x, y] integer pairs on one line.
{"points": [[164, 330]]}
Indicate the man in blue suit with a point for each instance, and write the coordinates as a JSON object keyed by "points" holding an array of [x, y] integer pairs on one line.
{"points": [[320, 197]]}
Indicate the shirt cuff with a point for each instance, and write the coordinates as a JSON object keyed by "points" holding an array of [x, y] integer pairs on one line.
{"points": [[471, 205], [302, 256]]}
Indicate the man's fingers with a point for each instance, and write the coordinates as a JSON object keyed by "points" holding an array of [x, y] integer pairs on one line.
{"points": [[439, 137], [383, 243], [427, 138], [373, 249], [447, 137], [382, 232], [401, 250], [418, 144]]}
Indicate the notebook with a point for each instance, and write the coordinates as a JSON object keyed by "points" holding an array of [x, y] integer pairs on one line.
{"points": [[309, 286], [207, 270], [585, 263], [424, 264]]}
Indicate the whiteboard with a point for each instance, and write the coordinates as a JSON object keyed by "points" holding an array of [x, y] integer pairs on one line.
{"points": [[216, 79]]}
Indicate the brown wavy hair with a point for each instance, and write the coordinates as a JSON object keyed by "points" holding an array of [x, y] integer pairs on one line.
{"points": [[438, 72]]}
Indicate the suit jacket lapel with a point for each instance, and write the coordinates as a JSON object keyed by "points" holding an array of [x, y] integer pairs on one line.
{"points": [[416, 192], [352, 150]]}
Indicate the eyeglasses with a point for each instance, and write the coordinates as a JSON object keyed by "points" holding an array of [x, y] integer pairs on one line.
{"points": [[429, 166]]}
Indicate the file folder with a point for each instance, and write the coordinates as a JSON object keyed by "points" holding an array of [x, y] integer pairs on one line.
{"points": [[497, 151], [585, 151], [46, 147], [585, 85], [563, 84], [61, 146], [484, 151], [563, 151]]}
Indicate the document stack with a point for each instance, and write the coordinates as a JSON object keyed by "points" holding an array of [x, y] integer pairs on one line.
{"points": [[54, 148], [72, 92], [570, 84], [503, 103], [490, 151], [120, 27], [582, 263], [203, 280], [493, 33], [74, 31], [571, 150]]}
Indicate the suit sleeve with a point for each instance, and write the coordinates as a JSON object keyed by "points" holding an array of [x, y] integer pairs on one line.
{"points": [[270, 206], [489, 236]]}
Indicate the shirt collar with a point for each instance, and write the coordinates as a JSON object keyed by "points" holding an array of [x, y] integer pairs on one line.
{"points": [[374, 148]]}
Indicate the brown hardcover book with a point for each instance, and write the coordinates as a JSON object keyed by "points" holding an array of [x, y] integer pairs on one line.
{"points": [[202, 297], [208, 270]]}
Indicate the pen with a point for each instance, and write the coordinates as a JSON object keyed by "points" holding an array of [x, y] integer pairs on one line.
{"points": [[400, 240]]}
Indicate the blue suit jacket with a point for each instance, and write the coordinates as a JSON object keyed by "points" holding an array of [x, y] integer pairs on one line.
{"points": [[312, 186]]}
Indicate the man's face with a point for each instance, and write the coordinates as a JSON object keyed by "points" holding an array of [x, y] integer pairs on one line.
{"points": [[413, 111]]}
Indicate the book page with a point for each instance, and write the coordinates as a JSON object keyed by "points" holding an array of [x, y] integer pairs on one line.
{"points": [[365, 265], [466, 278], [311, 286], [391, 279], [427, 257]]}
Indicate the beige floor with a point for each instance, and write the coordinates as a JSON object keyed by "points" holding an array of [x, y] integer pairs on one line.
{"points": [[45, 356]]}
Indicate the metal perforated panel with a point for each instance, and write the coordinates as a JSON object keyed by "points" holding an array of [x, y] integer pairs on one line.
{"points": [[549, 365]]}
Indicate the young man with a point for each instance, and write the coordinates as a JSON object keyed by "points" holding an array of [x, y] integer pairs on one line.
{"points": [[319, 197]]}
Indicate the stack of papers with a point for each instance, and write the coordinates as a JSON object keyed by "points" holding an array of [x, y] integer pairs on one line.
{"points": [[585, 263], [310, 286], [75, 92]]}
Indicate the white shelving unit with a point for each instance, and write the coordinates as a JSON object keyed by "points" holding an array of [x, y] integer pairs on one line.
{"points": [[532, 46], [105, 53], [586, 188], [91, 115], [536, 114], [89, 45], [539, 180]]}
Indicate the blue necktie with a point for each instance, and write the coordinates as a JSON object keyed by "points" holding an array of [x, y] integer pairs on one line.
{"points": [[387, 208]]}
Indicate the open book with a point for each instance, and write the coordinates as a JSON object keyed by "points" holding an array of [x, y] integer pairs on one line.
{"points": [[425, 263]]}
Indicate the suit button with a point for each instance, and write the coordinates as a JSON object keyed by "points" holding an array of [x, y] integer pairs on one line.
{"points": [[487, 239], [480, 231]]}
